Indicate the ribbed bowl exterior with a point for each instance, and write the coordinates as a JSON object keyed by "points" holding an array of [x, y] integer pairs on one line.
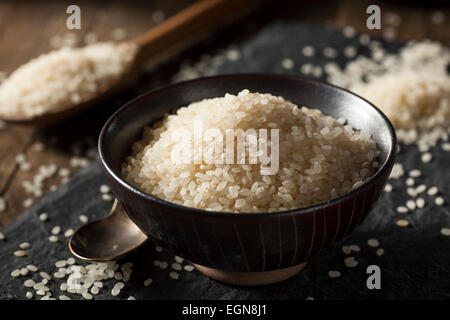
{"points": [[250, 243]]}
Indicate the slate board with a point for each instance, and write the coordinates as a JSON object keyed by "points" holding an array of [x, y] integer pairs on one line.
{"points": [[415, 264]]}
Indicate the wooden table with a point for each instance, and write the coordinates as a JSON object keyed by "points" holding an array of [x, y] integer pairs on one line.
{"points": [[28, 28]]}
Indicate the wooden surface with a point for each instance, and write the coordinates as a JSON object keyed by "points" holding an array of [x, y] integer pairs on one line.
{"points": [[27, 28]]}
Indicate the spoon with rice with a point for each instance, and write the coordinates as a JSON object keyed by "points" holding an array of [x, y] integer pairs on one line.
{"points": [[59, 84]]}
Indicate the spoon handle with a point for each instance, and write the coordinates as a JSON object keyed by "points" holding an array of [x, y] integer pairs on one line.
{"points": [[187, 27]]}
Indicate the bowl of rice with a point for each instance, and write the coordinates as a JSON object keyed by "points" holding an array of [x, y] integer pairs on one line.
{"points": [[248, 176]]}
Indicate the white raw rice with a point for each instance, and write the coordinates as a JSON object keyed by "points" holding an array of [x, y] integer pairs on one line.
{"points": [[402, 209], [15, 273], [412, 192], [24, 245], [28, 202], [307, 68], [29, 283], [350, 51], [432, 191], [409, 182], [233, 54], [346, 250], [287, 63], [329, 52], [176, 266], [411, 204], [334, 274], [415, 173], [115, 292], [57, 80], [319, 158], [178, 259], [24, 271], [421, 188], [349, 32], [308, 51], [56, 230], [32, 268], [68, 233], [350, 262], [439, 201], [104, 188], [373, 242], [402, 223], [148, 282], [412, 88], [397, 171], [446, 146], [20, 253], [188, 268], [107, 197], [420, 202], [426, 157], [45, 275]]}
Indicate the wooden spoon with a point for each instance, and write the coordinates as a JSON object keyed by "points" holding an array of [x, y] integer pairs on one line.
{"points": [[158, 44]]}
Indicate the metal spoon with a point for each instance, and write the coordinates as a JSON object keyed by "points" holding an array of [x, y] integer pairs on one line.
{"points": [[106, 239]]}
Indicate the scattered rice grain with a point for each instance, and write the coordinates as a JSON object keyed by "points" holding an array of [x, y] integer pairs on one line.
{"points": [[439, 201], [402, 209], [402, 223], [19, 253], [148, 282], [373, 243], [188, 268], [334, 274]]}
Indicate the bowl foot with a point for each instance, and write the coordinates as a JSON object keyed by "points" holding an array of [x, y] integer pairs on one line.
{"points": [[251, 278]]}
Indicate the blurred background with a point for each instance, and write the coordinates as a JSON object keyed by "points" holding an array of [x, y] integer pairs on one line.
{"points": [[30, 28]]}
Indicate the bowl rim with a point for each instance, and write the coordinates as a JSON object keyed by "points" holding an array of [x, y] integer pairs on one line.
{"points": [[302, 210]]}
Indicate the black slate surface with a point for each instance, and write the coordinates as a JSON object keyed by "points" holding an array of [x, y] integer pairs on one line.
{"points": [[415, 264]]}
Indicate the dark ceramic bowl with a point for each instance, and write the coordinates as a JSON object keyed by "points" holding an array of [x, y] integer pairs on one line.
{"points": [[246, 248]]}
